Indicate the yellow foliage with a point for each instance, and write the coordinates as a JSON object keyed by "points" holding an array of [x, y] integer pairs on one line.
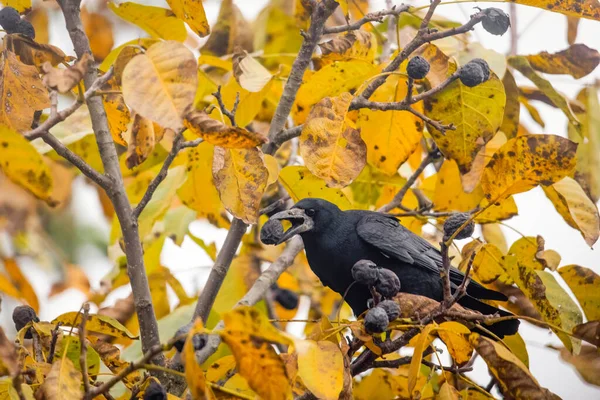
{"points": [[192, 13], [300, 184], [321, 367], [584, 284], [158, 22]]}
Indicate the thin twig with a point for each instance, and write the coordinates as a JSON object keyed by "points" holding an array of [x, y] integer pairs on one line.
{"points": [[224, 110], [37, 346], [445, 275], [83, 352], [462, 289], [55, 333], [274, 205], [368, 18], [397, 200]]}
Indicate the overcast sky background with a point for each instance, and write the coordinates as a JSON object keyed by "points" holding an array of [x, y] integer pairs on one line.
{"points": [[539, 31]]}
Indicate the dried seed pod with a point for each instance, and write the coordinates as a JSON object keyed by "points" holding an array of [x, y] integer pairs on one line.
{"points": [[22, 315], [271, 232], [392, 309], [471, 74], [365, 272], [376, 320], [417, 67], [495, 21], [454, 222], [388, 284]]}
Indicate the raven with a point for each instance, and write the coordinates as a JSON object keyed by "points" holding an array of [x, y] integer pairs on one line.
{"points": [[335, 240]]}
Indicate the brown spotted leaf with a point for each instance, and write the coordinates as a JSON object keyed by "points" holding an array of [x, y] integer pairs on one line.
{"points": [[23, 165], [578, 61], [240, 176], [117, 112], [96, 323], [249, 73], [249, 335], [22, 93], [577, 8], [548, 297], [230, 31], [111, 357], [65, 79], [9, 360], [194, 374], [192, 13], [522, 64], [576, 208], [587, 363], [584, 283], [525, 162], [62, 383], [512, 110], [390, 136], [160, 84], [361, 45], [145, 134], [31, 52], [455, 337], [590, 332], [514, 377], [220, 134], [476, 113], [330, 144]]}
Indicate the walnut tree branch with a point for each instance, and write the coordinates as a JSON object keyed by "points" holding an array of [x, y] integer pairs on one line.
{"points": [[83, 351], [116, 190], [370, 17]]}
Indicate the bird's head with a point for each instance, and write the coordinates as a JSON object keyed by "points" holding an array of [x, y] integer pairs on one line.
{"points": [[307, 215]]}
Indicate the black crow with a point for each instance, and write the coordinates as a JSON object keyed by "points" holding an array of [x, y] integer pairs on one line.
{"points": [[335, 240]]}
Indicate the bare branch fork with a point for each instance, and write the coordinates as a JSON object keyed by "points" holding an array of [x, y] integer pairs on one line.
{"points": [[370, 17]]}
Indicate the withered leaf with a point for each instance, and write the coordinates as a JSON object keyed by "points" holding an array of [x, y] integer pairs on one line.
{"points": [[145, 134], [220, 134], [64, 80], [578, 61]]}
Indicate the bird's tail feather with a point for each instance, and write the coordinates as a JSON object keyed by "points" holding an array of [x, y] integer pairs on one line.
{"points": [[500, 329]]}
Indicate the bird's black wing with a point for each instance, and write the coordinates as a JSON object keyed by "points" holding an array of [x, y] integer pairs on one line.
{"points": [[392, 239]]}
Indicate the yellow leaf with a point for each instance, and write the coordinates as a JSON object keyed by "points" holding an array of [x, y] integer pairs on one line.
{"points": [[194, 374], [220, 134], [438, 63], [577, 60], [523, 66], [279, 34], [391, 136], [62, 383], [145, 134], [584, 283], [353, 45], [96, 323], [448, 392], [22, 93], [134, 47], [249, 73], [548, 298], [240, 277], [213, 61], [224, 367], [199, 192], [487, 264], [512, 110], [321, 367], [516, 344], [525, 250], [453, 334], [250, 102], [573, 204], [527, 161], [588, 151], [111, 357], [330, 81], [475, 112], [8, 288], [161, 83], [513, 376], [343, 6], [273, 167], [240, 176], [21, 6], [585, 9], [117, 112], [422, 342], [249, 335], [98, 29], [23, 165], [492, 233], [158, 22], [368, 190], [21, 283], [471, 179], [192, 13], [300, 184], [231, 30], [330, 144]]}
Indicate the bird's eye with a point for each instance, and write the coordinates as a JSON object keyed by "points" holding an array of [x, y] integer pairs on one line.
{"points": [[310, 212]]}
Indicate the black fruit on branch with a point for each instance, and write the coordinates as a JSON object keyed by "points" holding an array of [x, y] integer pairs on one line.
{"points": [[454, 222], [336, 240], [365, 272], [484, 66], [155, 391], [495, 21], [286, 298], [417, 67], [24, 27], [376, 320], [391, 308], [22, 315], [471, 74], [9, 19]]}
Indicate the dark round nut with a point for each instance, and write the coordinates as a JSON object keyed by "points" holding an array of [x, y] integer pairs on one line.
{"points": [[155, 391], [24, 27], [388, 284], [271, 232], [392, 309], [376, 320], [484, 66], [455, 221], [495, 21], [365, 272], [9, 19], [417, 67], [22, 315], [471, 74], [286, 298]]}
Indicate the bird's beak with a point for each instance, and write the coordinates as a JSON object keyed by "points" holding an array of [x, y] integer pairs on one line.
{"points": [[299, 220]]}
